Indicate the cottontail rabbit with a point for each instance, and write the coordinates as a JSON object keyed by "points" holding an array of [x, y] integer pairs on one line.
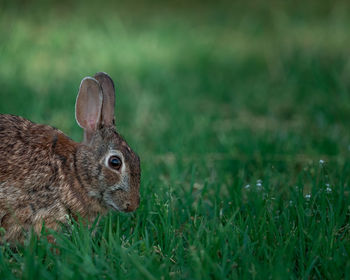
{"points": [[44, 175]]}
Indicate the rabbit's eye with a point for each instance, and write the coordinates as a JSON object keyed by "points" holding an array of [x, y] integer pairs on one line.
{"points": [[115, 162]]}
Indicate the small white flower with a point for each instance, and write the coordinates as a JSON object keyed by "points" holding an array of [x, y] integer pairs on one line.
{"points": [[308, 196], [328, 190], [327, 185], [259, 184], [290, 202], [247, 186], [321, 161]]}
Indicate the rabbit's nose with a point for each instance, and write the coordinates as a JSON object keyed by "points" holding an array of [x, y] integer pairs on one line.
{"points": [[130, 206], [126, 207]]}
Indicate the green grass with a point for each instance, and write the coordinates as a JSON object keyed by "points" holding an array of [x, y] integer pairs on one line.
{"points": [[231, 107]]}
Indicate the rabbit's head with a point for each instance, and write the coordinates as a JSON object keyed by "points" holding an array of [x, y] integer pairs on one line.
{"points": [[106, 166]]}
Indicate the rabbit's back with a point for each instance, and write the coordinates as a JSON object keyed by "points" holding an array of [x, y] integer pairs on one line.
{"points": [[29, 151], [33, 160]]}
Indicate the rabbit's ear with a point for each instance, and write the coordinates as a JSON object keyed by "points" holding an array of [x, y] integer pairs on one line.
{"points": [[108, 92], [88, 106]]}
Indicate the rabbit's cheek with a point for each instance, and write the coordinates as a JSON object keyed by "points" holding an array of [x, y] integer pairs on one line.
{"points": [[111, 178]]}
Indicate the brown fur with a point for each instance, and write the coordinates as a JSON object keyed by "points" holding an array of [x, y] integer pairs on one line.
{"points": [[44, 176]]}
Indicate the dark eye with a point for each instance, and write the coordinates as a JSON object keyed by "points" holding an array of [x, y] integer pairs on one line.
{"points": [[115, 162]]}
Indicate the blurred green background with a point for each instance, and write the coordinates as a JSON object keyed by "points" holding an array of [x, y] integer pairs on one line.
{"points": [[213, 96], [193, 78]]}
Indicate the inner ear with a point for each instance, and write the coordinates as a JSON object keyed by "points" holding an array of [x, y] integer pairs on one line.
{"points": [[108, 92], [89, 104]]}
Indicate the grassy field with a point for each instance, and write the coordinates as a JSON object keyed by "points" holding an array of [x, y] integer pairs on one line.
{"points": [[240, 114]]}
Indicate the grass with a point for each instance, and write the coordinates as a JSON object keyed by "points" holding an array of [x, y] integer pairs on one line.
{"points": [[240, 114]]}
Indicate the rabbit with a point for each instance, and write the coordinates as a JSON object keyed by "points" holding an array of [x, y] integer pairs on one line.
{"points": [[45, 176]]}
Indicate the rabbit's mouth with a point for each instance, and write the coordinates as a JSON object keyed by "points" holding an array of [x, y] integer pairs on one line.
{"points": [[113, 206], [118, 200], [107, 198]]}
